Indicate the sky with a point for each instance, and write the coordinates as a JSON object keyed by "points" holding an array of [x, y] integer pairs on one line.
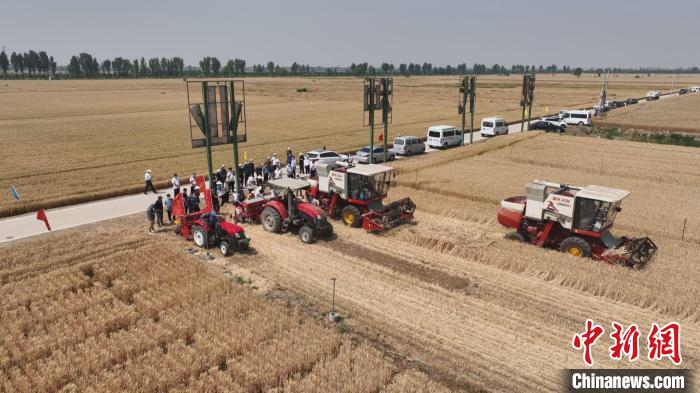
{"points": [[594, 33]]}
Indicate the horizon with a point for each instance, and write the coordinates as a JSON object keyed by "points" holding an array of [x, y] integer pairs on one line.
{"points": [[600, 35]]}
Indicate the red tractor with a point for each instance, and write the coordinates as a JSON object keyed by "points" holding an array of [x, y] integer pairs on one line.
{"points": [[283, 209], [356, 193], [574, 220], [208, 229]]}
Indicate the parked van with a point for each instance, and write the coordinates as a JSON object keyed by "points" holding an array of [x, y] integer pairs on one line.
{"points": [[581, 118], [407, 145], [444, 136], [653, 95], [492, 126]]}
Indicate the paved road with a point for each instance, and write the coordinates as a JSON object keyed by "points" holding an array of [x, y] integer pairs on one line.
{"points": [[27, 225]]}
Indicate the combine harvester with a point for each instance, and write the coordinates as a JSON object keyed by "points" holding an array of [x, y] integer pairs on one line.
{"points": [[356, 194], [574, 220]]}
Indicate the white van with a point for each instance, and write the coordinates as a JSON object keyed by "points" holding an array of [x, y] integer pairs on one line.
{"points": [[492, 126], [407, 145], [444, 136], [580, 118]]}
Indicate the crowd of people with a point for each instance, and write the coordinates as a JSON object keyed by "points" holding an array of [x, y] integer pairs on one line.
{"points": [[251, 177]]}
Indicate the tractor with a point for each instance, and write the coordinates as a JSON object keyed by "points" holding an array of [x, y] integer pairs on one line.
{"points": [[356, 194], [574, 220], [283, 209], [208, 229]]}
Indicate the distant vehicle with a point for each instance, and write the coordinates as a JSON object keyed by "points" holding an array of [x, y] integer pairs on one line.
{"points": [[407, 145], [492, 126], [653, 95], [683, 91], [631, 101], [617, 104], [581, 118], [554, 120], [362, 155], [547, 126], [325, 157], [444, 136], [695, 89]]}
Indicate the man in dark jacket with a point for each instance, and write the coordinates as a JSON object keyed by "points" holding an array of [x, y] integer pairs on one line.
{"points": [[151, 216], [159, 210]]}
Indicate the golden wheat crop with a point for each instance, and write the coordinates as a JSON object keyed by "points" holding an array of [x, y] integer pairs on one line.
{"points": [[116, 311], [74, 141], [671, 114]]}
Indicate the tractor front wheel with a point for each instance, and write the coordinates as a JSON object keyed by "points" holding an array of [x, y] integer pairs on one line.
{"points": [[515, 236], [576, 246], [306, 234], [351, 216], [225, 248], [271, 220], [199, 236]]}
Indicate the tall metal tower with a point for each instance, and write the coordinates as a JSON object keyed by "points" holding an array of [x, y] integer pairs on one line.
{"points": [[603, 93]]}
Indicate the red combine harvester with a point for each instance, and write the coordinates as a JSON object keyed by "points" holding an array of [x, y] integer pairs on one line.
{"points": [[357, 192], [281, 210], [574, 220], [206, 228]]}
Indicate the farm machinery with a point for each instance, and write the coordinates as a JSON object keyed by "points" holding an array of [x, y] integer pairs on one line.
{"points": [[282, 209], [574, 220], [356, 193], [208, 229]]}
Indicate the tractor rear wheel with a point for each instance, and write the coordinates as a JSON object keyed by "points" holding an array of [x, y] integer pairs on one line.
{"points": [[225, 248], [515, 236], [306, 234], [351, 216], [271, 220], [199, 236], [576, 246]]}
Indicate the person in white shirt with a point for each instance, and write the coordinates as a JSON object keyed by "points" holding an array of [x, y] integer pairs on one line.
{"points": [[193, 180], [275, 161], [278, 173], [148, 176], [176, 184], [307, 164], [251, 183]]}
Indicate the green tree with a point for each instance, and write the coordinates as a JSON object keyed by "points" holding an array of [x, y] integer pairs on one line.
{"points": [[215, 66], [4, 62], [74, 67], [271, 67], [578, 72], [106, 67], [205, 65]]}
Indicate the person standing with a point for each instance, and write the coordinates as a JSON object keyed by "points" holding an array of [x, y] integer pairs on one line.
{"points": [[159, 210], [176, 184], [185, 201], [148, 176], [151, 216], [275, 161], [220, 192], [278, 173], [169, 207], [290, 155], [193, 180], [301, 163], [266, 171], [307, 165]]}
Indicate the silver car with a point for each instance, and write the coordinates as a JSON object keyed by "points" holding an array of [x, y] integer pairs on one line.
{"points": [[362, 155]]}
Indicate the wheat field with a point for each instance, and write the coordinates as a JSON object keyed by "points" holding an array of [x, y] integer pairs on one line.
{"points": [[114, 310], [73, 141], [452, 293], [671, 114]]}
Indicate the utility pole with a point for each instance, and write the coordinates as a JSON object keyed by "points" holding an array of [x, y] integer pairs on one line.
{"points": [[526, 99], [207, 133], [385, 113], [234, 138], [371, 120], [467, 90], [377, 95]]}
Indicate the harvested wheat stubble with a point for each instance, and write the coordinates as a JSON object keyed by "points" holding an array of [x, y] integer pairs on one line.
{"points": [[75, 141], [151, 318]]}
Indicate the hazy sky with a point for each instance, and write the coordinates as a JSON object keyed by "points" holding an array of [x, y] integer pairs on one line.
{"points": [[586, 33]]}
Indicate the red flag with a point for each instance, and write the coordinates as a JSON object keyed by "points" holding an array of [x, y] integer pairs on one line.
{"points": [[178, 206], [381, 137], [41, 215], [207, 194]]}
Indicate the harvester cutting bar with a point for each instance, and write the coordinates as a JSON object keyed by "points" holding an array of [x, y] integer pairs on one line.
{"points": [[389, 216], [638, 251]]}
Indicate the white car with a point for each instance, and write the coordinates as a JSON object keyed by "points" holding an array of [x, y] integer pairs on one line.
{"points": [[554, 120], [492, 126], [580, 118], [441, 137], [325, 157], [695, 89]]}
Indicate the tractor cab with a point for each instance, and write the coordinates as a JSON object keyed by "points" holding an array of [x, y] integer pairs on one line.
{"points": [[596, 207]]}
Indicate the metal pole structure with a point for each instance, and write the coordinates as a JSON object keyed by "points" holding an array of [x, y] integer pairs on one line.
{"points": [[234, 130], [523, 103], [333, 304], [530, 98], [472, 106], [385, 113], [371, 120], [465, 91], [212, 185]]}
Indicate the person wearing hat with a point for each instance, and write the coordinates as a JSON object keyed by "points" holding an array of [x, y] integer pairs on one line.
{"points": [[151, 216], [290, 155], [275, 161], [176, 184], [149, 182]]}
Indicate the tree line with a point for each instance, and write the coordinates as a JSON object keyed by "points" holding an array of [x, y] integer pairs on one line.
{"points": [[32, 64]]}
